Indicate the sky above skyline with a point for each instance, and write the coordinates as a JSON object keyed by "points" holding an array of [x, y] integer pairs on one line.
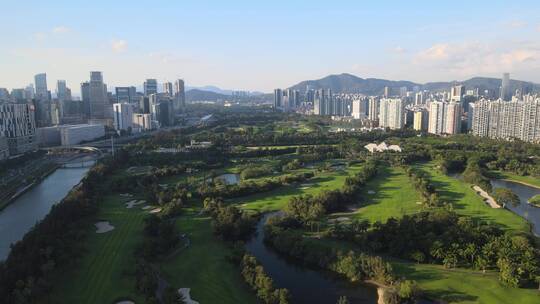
{"points": [[245, 45]]}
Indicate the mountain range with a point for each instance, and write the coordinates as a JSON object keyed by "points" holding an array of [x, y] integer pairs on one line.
{"points": [[348, 83]]}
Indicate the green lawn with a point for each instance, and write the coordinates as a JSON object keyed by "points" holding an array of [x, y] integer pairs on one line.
{"points": [[463, 286], [106, 272], [394, 196], [467, 202], [278, 198], [204, 267], [530, 180]]}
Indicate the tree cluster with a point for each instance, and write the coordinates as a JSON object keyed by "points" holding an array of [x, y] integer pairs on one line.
{"points": [[255, 276]]}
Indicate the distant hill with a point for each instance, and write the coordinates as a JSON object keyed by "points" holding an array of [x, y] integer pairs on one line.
{"points": [[347, 83], [198, 95]]}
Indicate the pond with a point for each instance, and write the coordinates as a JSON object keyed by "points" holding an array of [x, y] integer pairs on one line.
{"points": [[306, 286]]}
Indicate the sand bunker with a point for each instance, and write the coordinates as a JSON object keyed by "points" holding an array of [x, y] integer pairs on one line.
{"points": [[187, 298], [157, 210], [103, 227], [133, 203], [147, 207], [371, 192], [125, 302], [125, 195]]}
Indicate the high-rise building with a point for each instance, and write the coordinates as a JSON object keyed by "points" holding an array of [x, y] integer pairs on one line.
{"points": [[421, 120], [126, 94], [123, 116], [444, 117], [42, 92], [323, 104], [18, 125], [419, 98], [161, 110], [457, 92], [98, 97], [359, 108], [179, 103], [29, 91], [373, 109], [18, 95], [168, 88], [386, 93], [278, 99], [144, 105], [150, 87], [403, 91], [85, 99], [142, 122], [505, 95], [391, 113]]}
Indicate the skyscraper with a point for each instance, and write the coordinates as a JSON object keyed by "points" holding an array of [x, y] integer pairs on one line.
{"points": [[386, 92], [168, 88], [179, 103], [126, 94], [373, 109], [85, 98], [97, 96], [278, 97], [506, 95], [457, 92], [42, 92], [444, 117], [420, 120], [17, 124], [150, 87]]}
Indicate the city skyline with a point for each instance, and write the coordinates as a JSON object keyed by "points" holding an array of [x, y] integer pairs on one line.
{"points": [[257, 47]]}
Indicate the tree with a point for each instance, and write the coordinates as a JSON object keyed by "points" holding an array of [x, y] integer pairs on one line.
{"points": [[343, 300], [505, 196]]}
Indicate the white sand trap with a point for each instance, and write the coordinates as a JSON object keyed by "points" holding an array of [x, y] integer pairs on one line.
{"points": [[371, 192], [419, 203], [304, 188], [125, 195], [187, 298], [157, 210], [103, 227], [134, 203], [125, 302], [342, 219], [306, 185], [147, 207]]}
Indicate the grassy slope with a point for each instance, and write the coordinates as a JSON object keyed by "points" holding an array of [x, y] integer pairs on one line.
{"points": [[394, 196], [277, 199], [203, 266], [463, 286], [467, 202], [101, 277]]}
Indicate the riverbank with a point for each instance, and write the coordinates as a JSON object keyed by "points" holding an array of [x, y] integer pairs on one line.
{"points": [[25, 188]]}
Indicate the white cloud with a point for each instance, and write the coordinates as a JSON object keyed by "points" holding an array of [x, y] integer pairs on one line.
{"points": [[119, 46], [61, 30], [399, 50]]}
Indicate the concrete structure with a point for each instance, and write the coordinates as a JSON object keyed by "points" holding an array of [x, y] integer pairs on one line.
{"points": [[444, 117], [323, 104], [4, 148], [505, 93], [74, 135], [18, 125], [49, 136], [168, 89], [123, 116], [457, 92], [150, 87], [278, 98], [391, 113], [142, 122], [42, 93], [373, 109], [518, 119], [179, 96], [126, 94], [98, 98], [421, 120]]}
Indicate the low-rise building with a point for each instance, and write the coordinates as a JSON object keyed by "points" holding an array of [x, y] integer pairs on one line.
{"points": [[74, 135]]}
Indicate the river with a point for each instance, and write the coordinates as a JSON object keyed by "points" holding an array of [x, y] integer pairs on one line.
{"points": [[306, 286], [31, 207], [524, 209]]}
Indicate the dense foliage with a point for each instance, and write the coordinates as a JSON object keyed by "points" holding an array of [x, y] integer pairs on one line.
{"points": [[255, 276]]}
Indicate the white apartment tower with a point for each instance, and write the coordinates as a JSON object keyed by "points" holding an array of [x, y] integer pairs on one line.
{"points": [[391, 113]]}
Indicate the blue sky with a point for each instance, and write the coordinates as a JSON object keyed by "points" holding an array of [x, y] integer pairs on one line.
{"points": [[255, 45]]}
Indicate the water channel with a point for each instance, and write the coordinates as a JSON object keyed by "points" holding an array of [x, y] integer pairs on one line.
{"points": [[32, 206]]}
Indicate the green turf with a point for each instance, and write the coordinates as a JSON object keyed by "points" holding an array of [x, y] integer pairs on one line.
{"points": [[278, 198], [394, 196], [467, 202], [106, 272], [463, 286], [204, 267]]}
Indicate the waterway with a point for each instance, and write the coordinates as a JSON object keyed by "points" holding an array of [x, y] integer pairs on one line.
{"points": [[306, 286], [524, 209], [29, 208]]}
